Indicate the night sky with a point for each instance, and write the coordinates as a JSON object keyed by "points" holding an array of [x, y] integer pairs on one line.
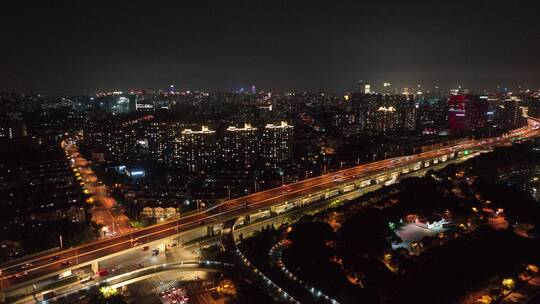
{"points": [[87, 46]]}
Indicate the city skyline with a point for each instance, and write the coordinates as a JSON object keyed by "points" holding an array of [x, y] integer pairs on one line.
{"points": [[301, 46], [270, 152]]}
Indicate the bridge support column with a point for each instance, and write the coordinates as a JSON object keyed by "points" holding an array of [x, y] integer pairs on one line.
{"points": [[2, 297], [95, 267]]}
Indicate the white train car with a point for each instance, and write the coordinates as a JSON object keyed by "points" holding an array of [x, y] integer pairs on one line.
{"points": [[380, 179], [390, 182], [331, 193], [365, 183], [241, 220], [284, 207], [348, 188], [311, 199], [259, 215], [296, 202]]}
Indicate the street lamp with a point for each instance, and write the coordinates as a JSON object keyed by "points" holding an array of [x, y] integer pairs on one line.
{"points": [[177, 230], [229, 191]]}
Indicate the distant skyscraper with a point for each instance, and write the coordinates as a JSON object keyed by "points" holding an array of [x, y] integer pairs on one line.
{"points": [[367, 88], [117, 103], [467, 112], [364, 87], [253, 90], [512, 112], [457, 106], [12, 129]]}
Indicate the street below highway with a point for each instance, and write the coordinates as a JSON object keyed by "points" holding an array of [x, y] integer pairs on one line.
{"points": [[105, 211]]}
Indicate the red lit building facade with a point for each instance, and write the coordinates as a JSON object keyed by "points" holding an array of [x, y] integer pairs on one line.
{"points": [[467, 112]]}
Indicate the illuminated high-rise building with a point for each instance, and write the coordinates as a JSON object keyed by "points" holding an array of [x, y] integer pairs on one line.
{"points": [[277, 142], [120, 143], [195, 151], [241, 146], [117, 103], [12, 129], [457, 108], [512, 112], [467, 112], [161, 140], [385, 118], [407, 112], [365, 88]]}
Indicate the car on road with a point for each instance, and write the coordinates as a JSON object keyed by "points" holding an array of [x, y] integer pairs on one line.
{"points": [[54, 258], [21, 274], [102, 273], [115, 269], [145, 248], [155, 251], [66, 263], [27, 265]]}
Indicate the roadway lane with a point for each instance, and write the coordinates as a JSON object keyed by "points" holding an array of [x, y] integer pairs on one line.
{"points": [[235, 207], [104, 212]]}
